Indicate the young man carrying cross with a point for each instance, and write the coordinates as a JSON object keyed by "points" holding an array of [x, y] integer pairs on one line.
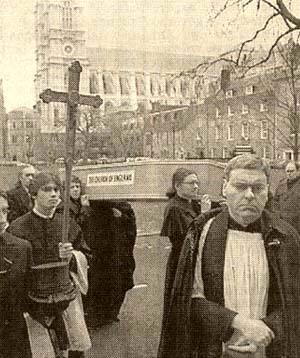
{"points": [[59, 324]]}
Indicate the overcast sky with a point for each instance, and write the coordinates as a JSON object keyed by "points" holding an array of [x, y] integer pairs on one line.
{"points": [[181, 26]]}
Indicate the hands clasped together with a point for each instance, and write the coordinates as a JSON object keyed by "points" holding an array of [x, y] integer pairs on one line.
{"points": [[254, 334]]}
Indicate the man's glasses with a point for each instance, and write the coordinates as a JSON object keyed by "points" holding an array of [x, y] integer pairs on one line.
{"points": [[193, 182], [255, 188]]}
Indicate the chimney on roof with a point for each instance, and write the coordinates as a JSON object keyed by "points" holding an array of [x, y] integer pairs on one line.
{"points": [[225, 79]]}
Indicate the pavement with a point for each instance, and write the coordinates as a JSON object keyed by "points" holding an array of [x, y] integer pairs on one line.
{"points": [[137, 333]]}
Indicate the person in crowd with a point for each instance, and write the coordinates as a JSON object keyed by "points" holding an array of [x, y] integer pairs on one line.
{"points": [[286, 200], [59, 323], [236, 289], [184, 206], [15, 263], [112, 265], [80, 209], [19, 199]]}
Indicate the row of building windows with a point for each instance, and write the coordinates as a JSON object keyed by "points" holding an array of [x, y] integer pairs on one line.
{"points": [[245, 109], [20, 139], [167, 138], [264, 131], [28, 124], [248, 91], [225, 152]]}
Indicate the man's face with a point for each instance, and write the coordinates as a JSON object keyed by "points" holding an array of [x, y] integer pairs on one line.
{"points": [[247, 193], [75, 190], [27, 176], [48, 196], [291, 171], [189, 187], [3, 213]]}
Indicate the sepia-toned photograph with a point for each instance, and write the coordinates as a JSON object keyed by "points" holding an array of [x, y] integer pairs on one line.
{"points": [[150, 179]]}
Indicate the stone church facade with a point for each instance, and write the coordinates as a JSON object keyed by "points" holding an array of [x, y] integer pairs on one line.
{"points": [[124, 78]]}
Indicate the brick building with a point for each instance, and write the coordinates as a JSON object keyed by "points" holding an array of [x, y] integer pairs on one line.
{"points": [[172, 132], [23, 129], [251, 112]]}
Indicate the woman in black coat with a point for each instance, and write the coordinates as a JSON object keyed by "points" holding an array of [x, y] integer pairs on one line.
{"points": [[180, 211]]}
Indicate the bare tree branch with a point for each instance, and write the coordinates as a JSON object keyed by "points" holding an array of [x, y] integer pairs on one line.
{"points": [[287, 14], [255, 36]]}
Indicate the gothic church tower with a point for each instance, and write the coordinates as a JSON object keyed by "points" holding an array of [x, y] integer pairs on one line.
{"points": [[60, 39]]}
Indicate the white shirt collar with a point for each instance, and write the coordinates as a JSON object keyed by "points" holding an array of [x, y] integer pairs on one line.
{"points": [[42, 215]]}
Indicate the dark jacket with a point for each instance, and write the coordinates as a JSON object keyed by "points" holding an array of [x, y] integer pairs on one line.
{"points": [[286, 201], [113, 244], [125, 236], [83, 217], [15, 261], [200, 325], [19, 202], [178, 216], [45, 235]]}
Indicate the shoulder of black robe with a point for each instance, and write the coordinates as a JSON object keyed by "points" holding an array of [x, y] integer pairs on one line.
{"points": [[178, 216], [175, 340]]}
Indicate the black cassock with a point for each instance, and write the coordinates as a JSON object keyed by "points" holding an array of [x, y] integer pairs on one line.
{"points": [[112, 266], [15, 262]]}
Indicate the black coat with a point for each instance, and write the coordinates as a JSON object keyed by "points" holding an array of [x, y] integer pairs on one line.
{"points": [[82, 215], [178, 216], [112, 244], [15, 258], [286, 202], [19, 202], [200, 325], [45, 235]]}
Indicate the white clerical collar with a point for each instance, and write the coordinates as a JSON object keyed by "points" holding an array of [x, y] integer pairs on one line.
{"points": [[5, 227], [42, 215]]}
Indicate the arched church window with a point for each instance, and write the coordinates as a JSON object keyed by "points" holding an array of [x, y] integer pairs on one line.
{"points": [[184, 86], [67, 15], [108, 83], [124, 84], [140, 85], [155, 86], [94, 84]]}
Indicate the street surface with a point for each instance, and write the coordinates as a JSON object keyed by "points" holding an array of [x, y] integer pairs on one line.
{"points": [[137, 333]]}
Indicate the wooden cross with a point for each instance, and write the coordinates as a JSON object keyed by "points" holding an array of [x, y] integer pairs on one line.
{"points": [[72, 98]]}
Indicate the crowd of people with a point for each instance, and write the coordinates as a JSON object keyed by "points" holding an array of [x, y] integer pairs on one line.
{"points": [[52, 291], [232, 278]]}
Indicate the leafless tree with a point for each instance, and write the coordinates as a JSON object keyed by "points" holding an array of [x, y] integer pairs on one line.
{"points": [[283, 86], [89, 122], [272, 11], [126, 134]]}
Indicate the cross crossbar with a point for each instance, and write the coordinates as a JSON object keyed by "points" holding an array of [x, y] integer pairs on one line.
{"points": [[54, 96]]}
